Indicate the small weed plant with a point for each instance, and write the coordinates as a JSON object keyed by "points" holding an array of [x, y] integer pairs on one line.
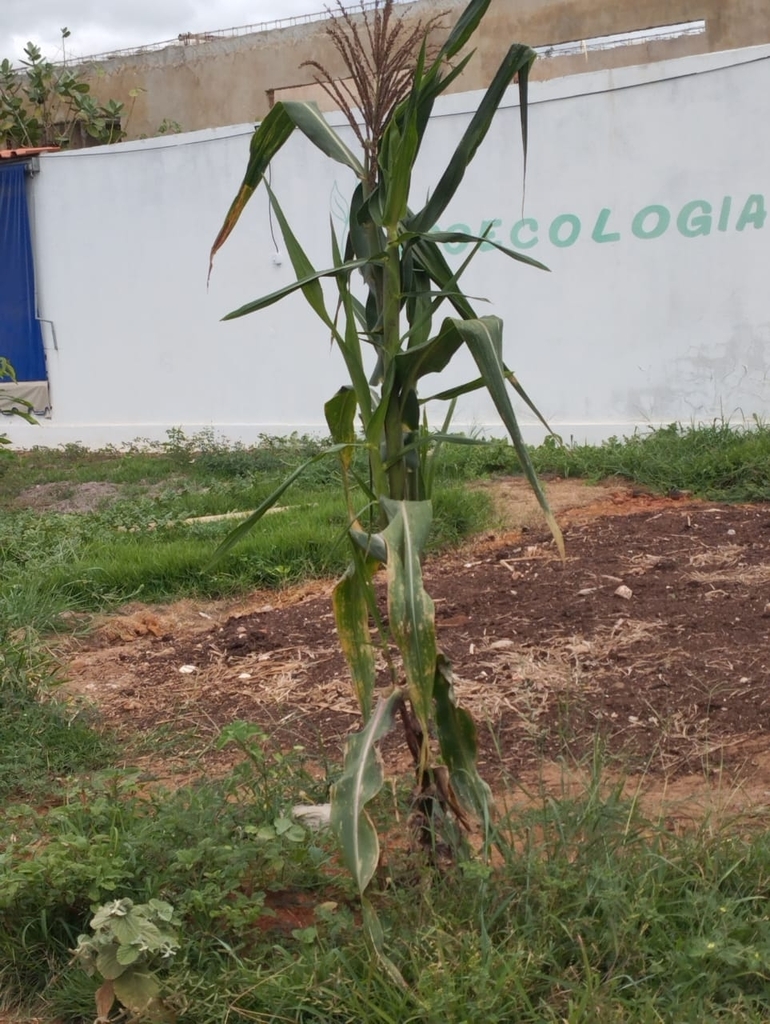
{"points": [[127, 945]]}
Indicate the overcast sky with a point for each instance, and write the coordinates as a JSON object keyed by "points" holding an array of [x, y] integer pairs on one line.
{"points": [[100, 25]]}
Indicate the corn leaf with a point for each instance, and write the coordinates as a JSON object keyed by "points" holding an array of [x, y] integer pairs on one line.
{"points": [[453, 237], [484, 338], [464, 28], [458, 743], [410, 609], [351, 614], [432, 260], [431, 357], [451, 394], [428, 89], [340, 413], [518, 60], [268, 139], [361, 780], [349, 342], [398, 153], [303, 268], [289, 289]]}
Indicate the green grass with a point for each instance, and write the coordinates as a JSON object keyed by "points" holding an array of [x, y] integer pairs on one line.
{"points": [[56, 562], [42, 740], [134, 547], [137, 547], [719, 462], [592, 913]]}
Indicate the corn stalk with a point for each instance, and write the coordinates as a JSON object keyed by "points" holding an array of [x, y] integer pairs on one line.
{"points": [[398, 254]]}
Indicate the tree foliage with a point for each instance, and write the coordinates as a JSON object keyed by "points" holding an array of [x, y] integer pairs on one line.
{"points": [[47, 104]]}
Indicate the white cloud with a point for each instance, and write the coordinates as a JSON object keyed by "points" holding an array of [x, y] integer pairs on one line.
{"points": [[101, 25]]}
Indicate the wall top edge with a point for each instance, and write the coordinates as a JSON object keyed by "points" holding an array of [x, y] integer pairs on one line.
{"points": [[570, 86]]}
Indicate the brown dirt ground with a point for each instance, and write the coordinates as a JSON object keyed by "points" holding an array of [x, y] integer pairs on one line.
{"points": [[673, 676]]}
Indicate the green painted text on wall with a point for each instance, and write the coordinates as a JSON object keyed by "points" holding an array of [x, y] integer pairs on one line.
{"points": [[695, 219]]}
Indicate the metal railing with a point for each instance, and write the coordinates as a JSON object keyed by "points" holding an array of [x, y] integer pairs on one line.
{"points": [[196, 38], [550, 51]]}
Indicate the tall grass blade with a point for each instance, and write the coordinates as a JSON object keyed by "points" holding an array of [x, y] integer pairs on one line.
{"points": [[248, 524]]}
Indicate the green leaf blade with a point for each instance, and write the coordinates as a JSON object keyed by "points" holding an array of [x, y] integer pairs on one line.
{"points": [[361, 780], [268, 139], [411, 611], [458, 743], [484, 338], [518, 59], [351, 614], [247, 525]]}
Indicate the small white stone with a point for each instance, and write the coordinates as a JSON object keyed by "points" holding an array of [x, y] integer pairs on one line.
{"points": [[315, 816], [625, 592], [188, 670]]}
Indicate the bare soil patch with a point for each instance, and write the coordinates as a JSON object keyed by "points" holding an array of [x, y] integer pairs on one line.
{"points": [[654, 636], [62, 496]]}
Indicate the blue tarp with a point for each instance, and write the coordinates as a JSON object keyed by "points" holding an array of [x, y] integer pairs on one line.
{"points": [[21, 341]]}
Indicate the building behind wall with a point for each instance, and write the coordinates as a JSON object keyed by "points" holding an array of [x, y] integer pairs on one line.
{"points": [[231, 77]]}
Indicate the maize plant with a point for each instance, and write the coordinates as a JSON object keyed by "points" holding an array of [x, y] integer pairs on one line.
{"points": [[389, 281]]}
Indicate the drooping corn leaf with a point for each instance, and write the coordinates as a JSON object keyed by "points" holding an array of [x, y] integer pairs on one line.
{"points": [[431, 357], [303, 268], [340, 413], [458, 743], [484, 338], [268, 139], [360, 781], [410, 609]]}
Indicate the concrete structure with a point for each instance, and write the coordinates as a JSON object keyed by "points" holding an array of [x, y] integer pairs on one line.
{"points": [[647, 196], [211, 82]]}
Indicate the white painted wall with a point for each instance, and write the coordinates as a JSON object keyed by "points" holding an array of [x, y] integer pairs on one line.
{"points": [[625, 332]]}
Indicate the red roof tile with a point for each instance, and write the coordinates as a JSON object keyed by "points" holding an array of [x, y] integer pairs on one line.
{"points": [[10, 154]]}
